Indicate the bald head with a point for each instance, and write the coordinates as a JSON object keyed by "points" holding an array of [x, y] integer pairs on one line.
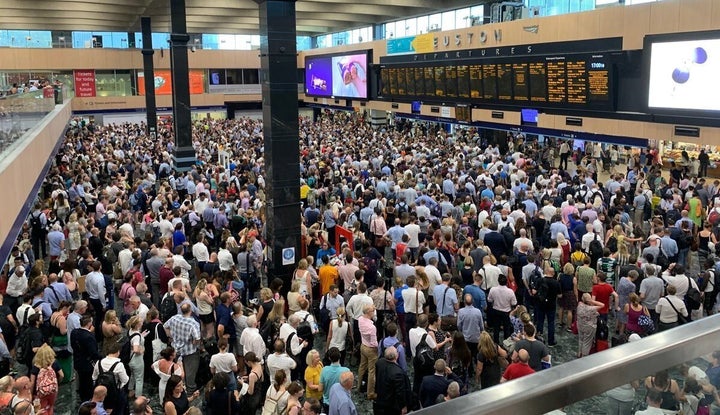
{"points": [[99, 393], [347, 379], [391, 354], [523, 355]]}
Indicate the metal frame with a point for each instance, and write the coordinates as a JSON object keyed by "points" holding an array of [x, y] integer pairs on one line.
{"points": [[590, 376]]}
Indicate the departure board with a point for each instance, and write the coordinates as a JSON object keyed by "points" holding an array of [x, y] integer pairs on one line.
{"points": [[439, 81], [556, 81], [577, 88], [393, 81], [505, 81], [429, 76], [419, 81], [490, 80], [410, 82], [476, 88], [385, 81], [573, 81], [598, 73], [451, 81], [520, 84], [463, 80], [538, 81], [402, 83]]}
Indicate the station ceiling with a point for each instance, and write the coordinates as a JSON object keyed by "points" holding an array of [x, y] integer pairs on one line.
{"points": [[209, 16]]}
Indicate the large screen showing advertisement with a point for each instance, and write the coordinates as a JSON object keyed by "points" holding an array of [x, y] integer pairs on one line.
{"points": [[163, 82], [339, 76], [684, 75]]}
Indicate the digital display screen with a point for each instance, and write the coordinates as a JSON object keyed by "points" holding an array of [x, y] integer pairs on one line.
{"points": [[415, 107], [520, 76], [463, 81], [476, 87], [490, 80], [451, 82], [580, 80], [340, 76], [576, 82], [684, 75], [529, 116], [463, 113], [439, 81], [538, 82], [504, 81], [385, 81]]}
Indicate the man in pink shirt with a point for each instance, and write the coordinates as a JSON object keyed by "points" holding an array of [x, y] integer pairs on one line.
{"points": [[368, 349]]}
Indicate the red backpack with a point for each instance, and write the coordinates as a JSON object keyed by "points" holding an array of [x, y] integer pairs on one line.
{"points": [[46, 383]]}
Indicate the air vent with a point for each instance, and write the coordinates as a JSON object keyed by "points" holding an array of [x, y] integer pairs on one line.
{"points": [[574, 121], [683, 131], [498, 115], [435, 110], [395, 106]]}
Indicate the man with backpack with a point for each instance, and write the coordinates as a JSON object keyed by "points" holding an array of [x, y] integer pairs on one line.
{"points": [[422, 345], [294, 344], [38, 231], [110, 372]]}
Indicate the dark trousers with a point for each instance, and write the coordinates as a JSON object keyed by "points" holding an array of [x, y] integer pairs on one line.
{"points": [[85, 385], [564, 161], [98, 316], [548, 314], [501, 318], [410, 322]]}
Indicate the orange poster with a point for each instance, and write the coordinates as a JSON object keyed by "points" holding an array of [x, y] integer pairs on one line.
{"points": [[163, 82]]}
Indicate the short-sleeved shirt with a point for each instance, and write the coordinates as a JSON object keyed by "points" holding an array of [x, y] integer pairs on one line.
{"points": [[537, 351], [184, 332], [517, 370], [602, 293], [224, 317], [445, 300]]}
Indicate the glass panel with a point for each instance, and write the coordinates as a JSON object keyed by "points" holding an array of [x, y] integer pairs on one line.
{"points": [[448, 20], [478, 12], [422, 24], [303, 43], [250, 76], [234, 76], [210, 41], [462, 18], [20, 112], [411, 25], [434, 22]]}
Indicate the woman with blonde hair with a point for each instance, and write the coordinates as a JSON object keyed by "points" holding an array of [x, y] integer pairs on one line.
{"points": [[568, 301], [74, 240], [312, 375], [137, 351], [293, 298], [304, 278], [267, 302], [491, 360], [337, 334], [111, 330], [45, 376], [587, 313], [205, 295], [565, 247], [6, 390]]}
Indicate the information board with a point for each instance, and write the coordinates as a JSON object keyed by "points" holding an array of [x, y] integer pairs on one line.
{"points": [[490, 78], [520, 84]]}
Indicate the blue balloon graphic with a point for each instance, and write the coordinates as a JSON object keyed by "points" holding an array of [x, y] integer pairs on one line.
{"points": [[681, 75], [700, 55]]}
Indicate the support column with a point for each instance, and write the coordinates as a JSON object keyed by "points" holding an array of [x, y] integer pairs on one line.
{"points": [[149, 70], [278, 57], [184, 156], [378, 119]]}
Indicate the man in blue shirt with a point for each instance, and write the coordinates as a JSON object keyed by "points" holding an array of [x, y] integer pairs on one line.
{"points": [[470, 322], [477, 294], [392, 341], [331, 375], [445, 297], [669, 246]]}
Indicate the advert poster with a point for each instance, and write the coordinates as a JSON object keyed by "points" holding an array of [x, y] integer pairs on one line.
{"points": [[163, 82], [84, 83]]}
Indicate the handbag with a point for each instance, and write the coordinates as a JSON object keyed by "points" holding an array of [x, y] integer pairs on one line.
{"points": [[157, 345], [646, 323]]}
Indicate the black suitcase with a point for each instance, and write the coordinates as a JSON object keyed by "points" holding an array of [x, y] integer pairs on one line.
{"points": [[618, 339]]}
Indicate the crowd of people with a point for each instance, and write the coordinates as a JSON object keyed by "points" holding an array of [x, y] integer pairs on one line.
{"points": [[466, 250]]}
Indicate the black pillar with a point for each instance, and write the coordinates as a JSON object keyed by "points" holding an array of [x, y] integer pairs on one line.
{"points": [[278, 57], [149, 70], [184, 156]]}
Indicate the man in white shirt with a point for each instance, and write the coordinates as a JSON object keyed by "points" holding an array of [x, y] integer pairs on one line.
{"points": [[413, 230], [200, 252], [414, 302], [251, 340], [675, 275], [180, 261], [112, 363], [490, 274], [589, 237], [433, 275], [522, 239], [225, 258], [503, 301], [280, 359], [17, 285], [125, 258]]}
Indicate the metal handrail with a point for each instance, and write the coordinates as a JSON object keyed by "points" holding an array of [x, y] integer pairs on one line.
{"points": [[590, 376]]}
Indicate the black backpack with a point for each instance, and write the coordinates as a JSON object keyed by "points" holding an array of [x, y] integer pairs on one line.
{"points": [[35, 224], [126, 350], [23, 350], [542, 291], [612, 244], [536, 279], [107, 378], [304, 330], [595, 248], [692, 298], [424, 357], [168, 308], [509, 236]]}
